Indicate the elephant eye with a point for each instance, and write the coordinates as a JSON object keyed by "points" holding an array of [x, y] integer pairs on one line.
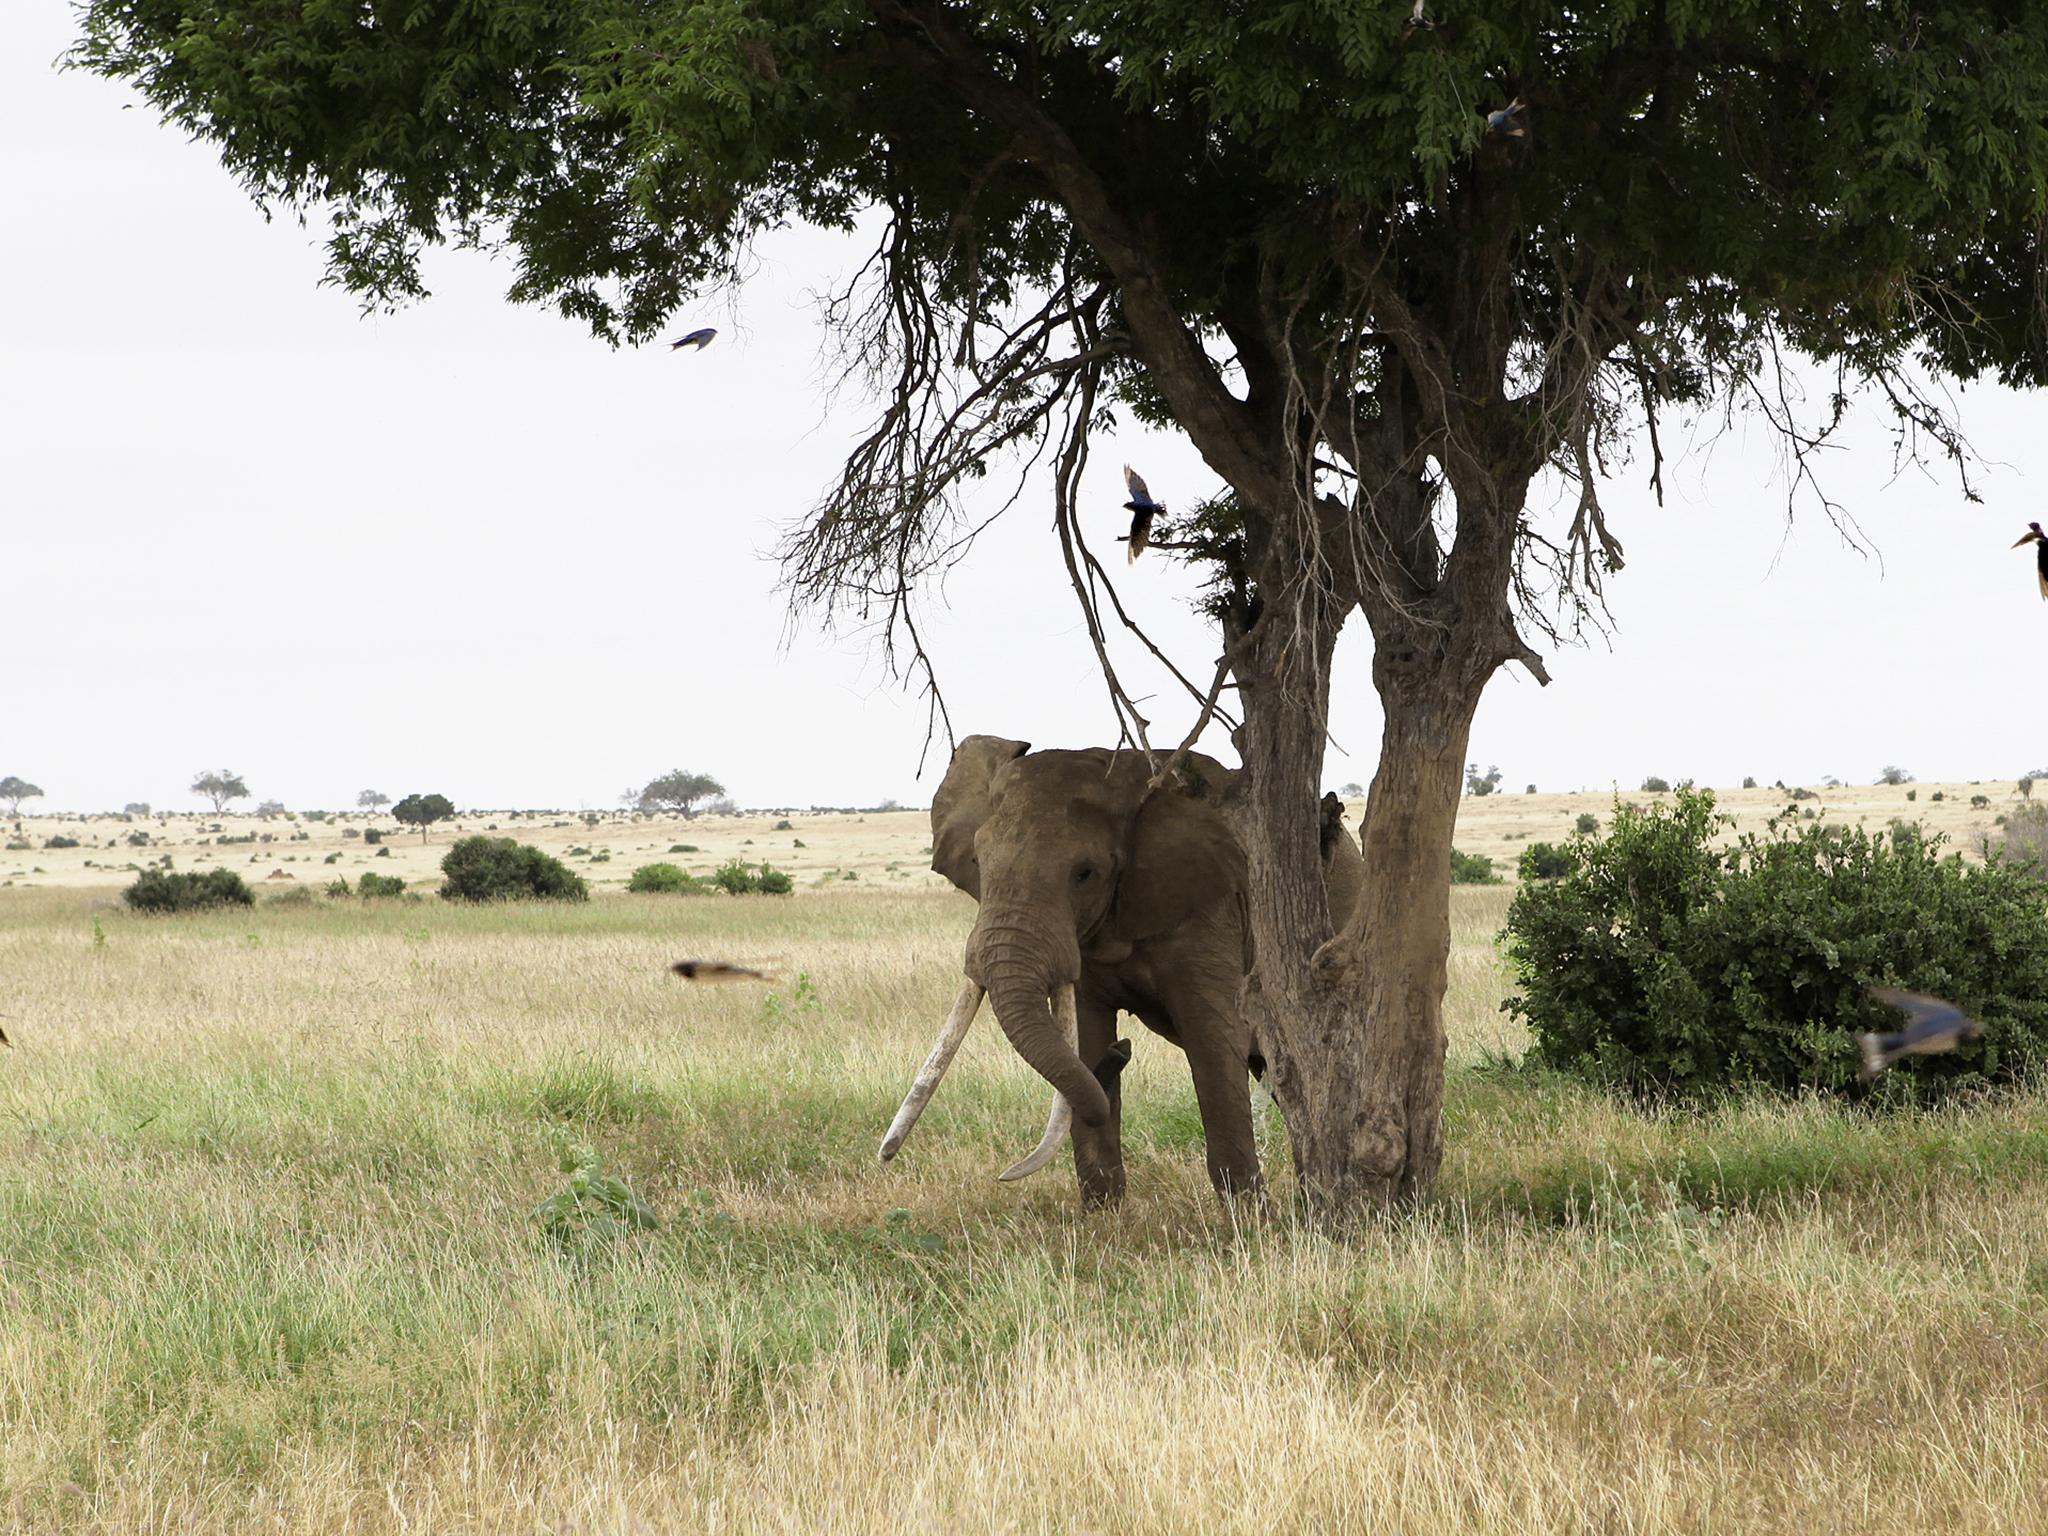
{"points": [[1083, 873]]}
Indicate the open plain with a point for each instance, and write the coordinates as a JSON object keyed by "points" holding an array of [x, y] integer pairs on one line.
{"points": [[268, 1259]]}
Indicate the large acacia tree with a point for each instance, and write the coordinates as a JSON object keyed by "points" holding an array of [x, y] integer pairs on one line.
{"points": [[1281, 228]]}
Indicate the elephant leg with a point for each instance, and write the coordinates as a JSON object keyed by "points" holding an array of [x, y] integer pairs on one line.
{"points": [[1217, 1046], [1098, 1150]]}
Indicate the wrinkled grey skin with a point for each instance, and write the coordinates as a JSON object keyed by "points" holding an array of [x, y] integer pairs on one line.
{"points": [[1138, 901]]}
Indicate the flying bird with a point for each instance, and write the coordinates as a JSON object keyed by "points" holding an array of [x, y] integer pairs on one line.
{"points": [[1510, 122], [698, 339], [2039, 540], [1935, 1026], [1417, 22], [716, 970], [1142, 508], [3, 1038]]}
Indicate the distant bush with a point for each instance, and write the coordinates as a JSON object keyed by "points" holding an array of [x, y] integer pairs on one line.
{"points": [[60, 841], [784, 825], [684, 848], [1472, 869], [499, 869], [739, 878], [135, 808], [1546, 861], [373, 835], [137, 839], [668, 879], [2022, 839], [349, 832], [1749, 782], [297, 896], [1914, 794], [1937, 795], [1588, 825], [157, 890], [270, 808], [379, 885], [1656, 786], [1892, 774], [1665, 964], [1477, 783]]}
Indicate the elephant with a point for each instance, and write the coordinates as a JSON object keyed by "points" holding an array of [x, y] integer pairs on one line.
{"points": [[1100, 894]]}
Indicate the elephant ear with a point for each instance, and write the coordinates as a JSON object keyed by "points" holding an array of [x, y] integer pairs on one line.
{"points": [[1181, 860], [963, 802]]}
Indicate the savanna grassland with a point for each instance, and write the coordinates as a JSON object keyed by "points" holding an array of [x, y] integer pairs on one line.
{"points": [[268, 1261]]}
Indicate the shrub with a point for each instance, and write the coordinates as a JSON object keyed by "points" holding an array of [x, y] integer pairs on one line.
{"points": [[138, 839], [1588, 825], [1546, 861], [1663, 964], [739, 878], [1749, 781], [1655, 786], [784, 825], [1893, 774], [157, 890], [379, 885], [373, 835], [2022, 840], [1472, 869], [668, 879], [483, 868], [1914, 794], [1530, 790], [297, 896], [60, 841], [684, 848], [1477, 783], [1937, 795]]}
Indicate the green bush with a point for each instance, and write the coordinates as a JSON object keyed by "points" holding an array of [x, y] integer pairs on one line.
{"points": [[379, 885], [1665, 964], [160, 890], [666, 878], [500, 869], [1546, 861], [739, 878], [1472, 869], [1587, 824], [60, 841], [684, 848], [1655, 785], [373, 835]]}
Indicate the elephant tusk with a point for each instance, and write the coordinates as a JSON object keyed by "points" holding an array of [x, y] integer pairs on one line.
{"points": [[965, 1006], [1061, 1119]]}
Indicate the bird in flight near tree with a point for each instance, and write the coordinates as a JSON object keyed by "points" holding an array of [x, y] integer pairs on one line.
{"points": [[1510, 122], [1936, 1026], [2039, 540], [717, 970], [1142, 508], [698, 339]]}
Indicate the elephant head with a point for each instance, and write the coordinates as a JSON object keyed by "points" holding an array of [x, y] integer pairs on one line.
{"points": [[1068, 853]]}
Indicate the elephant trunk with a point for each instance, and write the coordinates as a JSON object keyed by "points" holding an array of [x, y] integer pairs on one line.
{"points": [[1020, 996]]}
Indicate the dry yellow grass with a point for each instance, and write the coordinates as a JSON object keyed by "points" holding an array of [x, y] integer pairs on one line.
{"points": [[267, 1265]]}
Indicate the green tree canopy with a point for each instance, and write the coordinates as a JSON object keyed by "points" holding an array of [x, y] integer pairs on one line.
{"points": [[220, 786], [1284, 230], [15, 790], [677, 792], [423, 811]]}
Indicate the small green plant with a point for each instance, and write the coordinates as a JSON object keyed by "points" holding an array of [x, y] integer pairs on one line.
{"points": [[99, 934], [379, 885], [1472, 869], [666, 879], [1914, 794], [594, 1206], [1545, 861], [161, 891], [736, 877], [480, 868]]}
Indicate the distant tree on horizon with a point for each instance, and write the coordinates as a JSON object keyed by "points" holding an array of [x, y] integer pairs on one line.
{"points": [[423, 811], [678, 791], [270, 808], [220, 787], [1352, 790], [1893, 774], [1477, 783], [14, 790], [372, 800], [135, 808]]}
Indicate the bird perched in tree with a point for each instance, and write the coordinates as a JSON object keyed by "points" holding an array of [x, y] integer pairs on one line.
{"points": [[698, 339], [1935, 1026], [716, 970], [1510, 122], [2039, 540], [1142, 508], [1417, 22]]}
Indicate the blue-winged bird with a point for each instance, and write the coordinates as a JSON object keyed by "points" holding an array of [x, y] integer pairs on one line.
{"points": [[1142, 508], [698, 339], [2039, 540], [1510, 122], [1935, 1026]]}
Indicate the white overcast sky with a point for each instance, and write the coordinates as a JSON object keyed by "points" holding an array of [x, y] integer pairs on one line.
{"points": [[468, 548]]}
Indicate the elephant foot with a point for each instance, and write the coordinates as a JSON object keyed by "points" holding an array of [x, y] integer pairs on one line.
{"points": [[1102, 1173]]}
